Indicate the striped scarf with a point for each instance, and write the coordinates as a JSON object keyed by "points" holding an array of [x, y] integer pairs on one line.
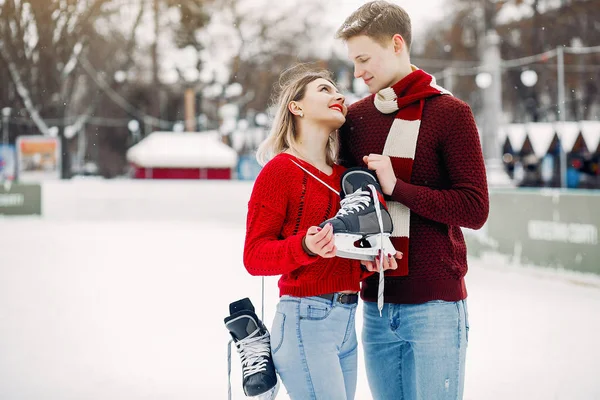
{"points": [[406, 98]]}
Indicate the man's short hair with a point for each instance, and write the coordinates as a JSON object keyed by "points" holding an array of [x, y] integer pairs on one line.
{"points": [[378, 20]]}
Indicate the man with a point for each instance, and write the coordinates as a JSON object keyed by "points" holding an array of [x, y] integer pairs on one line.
{"points": [[424, 146]]}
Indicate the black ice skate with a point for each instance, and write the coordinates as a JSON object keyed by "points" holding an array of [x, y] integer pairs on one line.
{"points": [[363, 224], [253, 344]]}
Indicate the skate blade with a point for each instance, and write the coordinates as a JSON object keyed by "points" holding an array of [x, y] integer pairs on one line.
{"points": [[349, 246], [377, 242]]}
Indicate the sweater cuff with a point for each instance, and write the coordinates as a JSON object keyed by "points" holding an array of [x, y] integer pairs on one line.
{"points": [[405, 193], [305, 247], [298, 252]]}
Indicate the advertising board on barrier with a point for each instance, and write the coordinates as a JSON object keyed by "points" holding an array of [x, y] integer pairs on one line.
{"points": [[17, 199], [8, 163], [550, 228], [38, 158]]}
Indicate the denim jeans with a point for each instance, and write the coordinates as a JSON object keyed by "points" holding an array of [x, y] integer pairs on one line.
{"points": [[416, 351], [314, 346]]}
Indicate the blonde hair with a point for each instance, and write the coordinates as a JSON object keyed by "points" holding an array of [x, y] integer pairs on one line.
{"points": [[283, 134], [378, 20]]}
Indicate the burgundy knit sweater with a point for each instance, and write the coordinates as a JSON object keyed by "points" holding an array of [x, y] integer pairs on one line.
{"points": [[285, 202], [447, 190]]}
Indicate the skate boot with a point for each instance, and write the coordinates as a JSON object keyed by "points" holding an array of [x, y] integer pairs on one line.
{"points": [[363, 224], [252, 341]]}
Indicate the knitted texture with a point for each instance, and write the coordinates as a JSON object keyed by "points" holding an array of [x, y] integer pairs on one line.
{"points": [[285, 202], [406, 100], [447, 190]]}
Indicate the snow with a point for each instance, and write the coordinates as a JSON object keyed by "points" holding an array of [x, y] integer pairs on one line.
{"points": [[511, 12], [516, 10], [124, 298], [182, 150]]}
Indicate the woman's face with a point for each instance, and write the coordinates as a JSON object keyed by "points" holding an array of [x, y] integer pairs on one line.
{"points": [[323, 104]]}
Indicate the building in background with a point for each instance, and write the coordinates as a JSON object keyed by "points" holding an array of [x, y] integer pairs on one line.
{"points": [[182, 155]]}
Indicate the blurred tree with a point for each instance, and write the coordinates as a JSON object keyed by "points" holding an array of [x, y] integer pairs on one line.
{"points": [[193, 17], [526, 27], [262, 40], [83, 63], [42, 48]]}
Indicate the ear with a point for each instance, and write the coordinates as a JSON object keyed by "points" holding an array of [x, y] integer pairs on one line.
{"points": [[295, 108], [399, 43]]}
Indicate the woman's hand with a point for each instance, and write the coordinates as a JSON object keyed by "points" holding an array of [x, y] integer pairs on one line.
{"points": [[389, 262], [320, 241]]}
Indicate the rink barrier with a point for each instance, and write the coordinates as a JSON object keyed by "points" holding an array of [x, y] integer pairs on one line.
{"points": [[548, 227], [20, 199], [553, 228], [145, 200]]}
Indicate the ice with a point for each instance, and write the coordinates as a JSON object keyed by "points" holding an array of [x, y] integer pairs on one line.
{"points": [[131, 306]]}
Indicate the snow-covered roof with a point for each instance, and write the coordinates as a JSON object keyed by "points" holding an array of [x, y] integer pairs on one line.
{"points": [[516, 135], [591, 134], [182, 150], [568, 133], [540, 136]]}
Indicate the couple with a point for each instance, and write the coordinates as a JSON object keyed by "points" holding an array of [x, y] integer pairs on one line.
{"points": [[423, 146]]}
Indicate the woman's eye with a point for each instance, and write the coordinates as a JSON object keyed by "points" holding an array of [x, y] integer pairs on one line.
{"points": [[325, 88]]}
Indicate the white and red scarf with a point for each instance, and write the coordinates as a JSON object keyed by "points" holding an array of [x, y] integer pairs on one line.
{"points": [[406, 98]]}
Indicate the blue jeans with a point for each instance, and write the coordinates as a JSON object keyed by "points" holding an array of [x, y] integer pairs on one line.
{"points": [[416, 351], [314, 346]]}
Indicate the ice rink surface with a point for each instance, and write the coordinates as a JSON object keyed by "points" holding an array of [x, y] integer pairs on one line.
{"points": [[100, 308]]}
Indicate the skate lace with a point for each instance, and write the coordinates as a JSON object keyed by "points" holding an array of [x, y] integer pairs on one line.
{"points": [[380, 298], [254, 353], [354, 202]]}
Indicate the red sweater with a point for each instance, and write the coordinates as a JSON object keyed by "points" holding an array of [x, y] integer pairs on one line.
{"points": [[285, 202], [447, 190]]}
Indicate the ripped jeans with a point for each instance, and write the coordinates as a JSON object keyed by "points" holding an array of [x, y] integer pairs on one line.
{"points": [[314, 347]]}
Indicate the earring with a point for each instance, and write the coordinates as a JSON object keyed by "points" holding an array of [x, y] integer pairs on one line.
{"points": [[301, 114]]}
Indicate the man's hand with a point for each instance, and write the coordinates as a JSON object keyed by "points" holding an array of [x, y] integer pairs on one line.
{"points": [[389, 262], [321, 241], [382, 165]]}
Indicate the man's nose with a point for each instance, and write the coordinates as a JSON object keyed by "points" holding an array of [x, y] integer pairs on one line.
{"points": [[358, 72]]}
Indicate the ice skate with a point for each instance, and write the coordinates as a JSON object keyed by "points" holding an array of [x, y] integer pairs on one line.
{"points": [[363, 224], [252, 341]]}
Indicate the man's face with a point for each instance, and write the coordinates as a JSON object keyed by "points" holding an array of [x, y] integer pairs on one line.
{"points": [[376, 64]]}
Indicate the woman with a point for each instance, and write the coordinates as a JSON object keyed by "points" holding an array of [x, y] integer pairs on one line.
{"points": [[313, 337]]}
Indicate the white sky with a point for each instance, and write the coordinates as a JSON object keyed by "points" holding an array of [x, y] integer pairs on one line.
{"points": [[421, 12]]}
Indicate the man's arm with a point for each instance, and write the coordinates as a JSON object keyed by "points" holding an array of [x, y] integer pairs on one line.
{"points": [[466, 202]]}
